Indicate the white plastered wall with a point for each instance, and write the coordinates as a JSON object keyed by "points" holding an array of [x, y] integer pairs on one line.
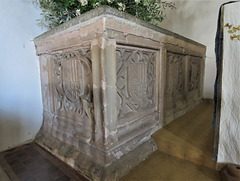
{"points": [[197, 20], [229, 133], [20, 92]]}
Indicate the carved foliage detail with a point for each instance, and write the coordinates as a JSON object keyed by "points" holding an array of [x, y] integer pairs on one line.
{"points": [[135, 79], [175, 74], [194, 73], [73, 79]]}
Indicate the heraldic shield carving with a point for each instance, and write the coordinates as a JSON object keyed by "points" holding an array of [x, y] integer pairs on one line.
{"points": [[175, 74], [194, 73], [73, 80], [137, 84], [135, 80]]}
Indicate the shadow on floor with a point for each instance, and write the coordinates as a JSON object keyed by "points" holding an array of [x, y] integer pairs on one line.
{"points": [[185, 154]]}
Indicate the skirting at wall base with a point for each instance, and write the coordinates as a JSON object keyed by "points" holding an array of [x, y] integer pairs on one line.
{"points": [[88, 166]]}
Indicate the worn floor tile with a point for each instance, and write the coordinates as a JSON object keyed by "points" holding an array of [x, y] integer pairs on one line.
{"points": [[32, 163]]}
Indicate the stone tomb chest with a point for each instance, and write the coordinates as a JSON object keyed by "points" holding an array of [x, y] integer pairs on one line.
{"points": [[109, 81]]}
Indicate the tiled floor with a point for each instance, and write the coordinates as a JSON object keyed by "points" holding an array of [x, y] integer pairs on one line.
{"points": [[31, 163], [185, 145]]}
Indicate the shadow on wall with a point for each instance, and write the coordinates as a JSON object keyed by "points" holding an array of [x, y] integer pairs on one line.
{"points": [[192, 19], [197, 20], [174, 20], [20, 96], [11, 131]]}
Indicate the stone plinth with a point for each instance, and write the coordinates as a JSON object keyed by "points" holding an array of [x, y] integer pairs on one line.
{"points": [[109, 81]]}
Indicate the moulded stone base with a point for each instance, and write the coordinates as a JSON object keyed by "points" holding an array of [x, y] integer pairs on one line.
{"points": [[174, 114], [88, 166]]}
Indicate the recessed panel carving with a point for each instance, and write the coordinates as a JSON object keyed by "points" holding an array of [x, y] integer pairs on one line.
{"points": [[194, 73], [175, 74], [175, 93], [73, 84], [136, 81]]}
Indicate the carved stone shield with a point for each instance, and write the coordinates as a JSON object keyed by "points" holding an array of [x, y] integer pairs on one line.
{"points": [[73, 82], [138, 83]]}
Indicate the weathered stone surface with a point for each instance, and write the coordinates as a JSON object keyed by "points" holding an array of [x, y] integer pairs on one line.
{"points": [[184, 81], [90, 165], [109, 81]]}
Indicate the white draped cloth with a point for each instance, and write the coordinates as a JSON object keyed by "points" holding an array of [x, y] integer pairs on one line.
{"points": [[229, 131]]}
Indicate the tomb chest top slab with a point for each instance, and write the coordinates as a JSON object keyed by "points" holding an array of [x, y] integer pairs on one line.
{"points": [[107, 22]]}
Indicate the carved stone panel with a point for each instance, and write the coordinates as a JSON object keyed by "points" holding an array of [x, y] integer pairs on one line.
{"points": [[194, 78], [72, 84], [175, 74], [175, 83], [136, 82]]}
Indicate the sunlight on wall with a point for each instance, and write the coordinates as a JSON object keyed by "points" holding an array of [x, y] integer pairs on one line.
{"points": [[20, 93]]}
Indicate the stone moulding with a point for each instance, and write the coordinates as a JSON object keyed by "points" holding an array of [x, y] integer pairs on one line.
{"points": [[109, 81]]}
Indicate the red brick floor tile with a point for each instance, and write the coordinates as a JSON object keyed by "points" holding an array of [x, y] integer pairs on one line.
{"points": [[57, 174], [63, 178], [32, 163]]}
